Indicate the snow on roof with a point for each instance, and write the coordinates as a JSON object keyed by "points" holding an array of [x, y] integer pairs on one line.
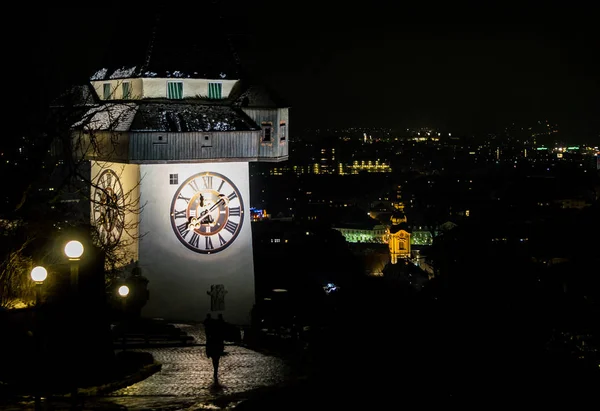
{"points": [[131, 72], [123, 72], [182, 117], [108, 117], [99, 75]]}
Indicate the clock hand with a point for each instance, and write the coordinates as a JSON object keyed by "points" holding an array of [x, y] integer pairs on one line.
{"points": [[203, 215], [215, 205]]}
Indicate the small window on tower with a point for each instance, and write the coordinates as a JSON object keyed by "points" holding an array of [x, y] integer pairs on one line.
{"points": [[215, 90], [267, 128], [175, 90], [173, 179], [126, 90], [106, 91], [282, 131]]}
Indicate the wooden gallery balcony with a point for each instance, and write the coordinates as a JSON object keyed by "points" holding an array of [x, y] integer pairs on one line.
{"points": [[151, 131]]}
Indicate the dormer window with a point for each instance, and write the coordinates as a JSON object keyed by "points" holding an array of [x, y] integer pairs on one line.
{"points": [[215, 90], [126, 90], [175, 90], [106, 91]]}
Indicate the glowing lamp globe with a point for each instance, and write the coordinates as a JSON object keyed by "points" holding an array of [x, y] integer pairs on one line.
{"points": [[74, 249], [39, 274], [123, 291]]}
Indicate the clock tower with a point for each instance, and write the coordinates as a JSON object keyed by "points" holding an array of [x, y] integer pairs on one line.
{"points": [[172, 132], [398, 237]]}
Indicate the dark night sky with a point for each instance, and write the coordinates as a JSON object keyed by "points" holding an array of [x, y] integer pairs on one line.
{"points": [[466, 70]]}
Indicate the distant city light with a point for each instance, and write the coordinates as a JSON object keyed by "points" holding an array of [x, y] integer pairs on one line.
{"points": [[329, 288]]}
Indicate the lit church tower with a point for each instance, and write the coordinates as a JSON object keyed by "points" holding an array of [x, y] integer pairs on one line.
{"points": [[398, 237], [176, 127]]}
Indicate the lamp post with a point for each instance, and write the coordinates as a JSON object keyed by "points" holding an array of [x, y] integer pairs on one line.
{"points": [[38, 274], [74, 250], [123, 293]]}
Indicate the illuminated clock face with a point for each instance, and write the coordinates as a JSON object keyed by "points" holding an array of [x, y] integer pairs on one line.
{"points": [[207, 213], [108, 206]]}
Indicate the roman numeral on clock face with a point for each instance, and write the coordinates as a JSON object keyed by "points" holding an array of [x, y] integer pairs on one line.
{"points": [[183, 229], [232, 195], [208, 245], [195, 240], [208, 182], [179, 214], [234, 211], [231, 226], [181, 197], [194, 185]]}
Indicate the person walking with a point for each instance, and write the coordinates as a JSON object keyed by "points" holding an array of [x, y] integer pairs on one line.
{"points": [[215, 342], [208, 322]]}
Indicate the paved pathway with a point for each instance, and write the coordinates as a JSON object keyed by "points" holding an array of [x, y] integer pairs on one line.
{"points": [[186, 379]]}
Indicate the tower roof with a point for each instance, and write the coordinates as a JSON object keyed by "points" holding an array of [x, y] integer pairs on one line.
{"points": [[174, 47], [400, 227], [165, 116]]}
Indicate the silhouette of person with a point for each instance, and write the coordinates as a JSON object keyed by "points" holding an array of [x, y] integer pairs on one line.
{"points": [[215, 341], [208, 322]]}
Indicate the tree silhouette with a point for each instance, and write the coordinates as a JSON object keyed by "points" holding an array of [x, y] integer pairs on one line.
{"points": [[56, 190]]}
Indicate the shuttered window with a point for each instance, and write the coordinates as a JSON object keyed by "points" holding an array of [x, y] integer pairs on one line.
{"points": [[175, 89], [215, 90], [126, 90], [106, 91]]}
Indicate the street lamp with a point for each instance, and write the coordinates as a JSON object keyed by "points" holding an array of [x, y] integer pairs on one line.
{"points": [[38, 274], [124, 292], [74, 250]]}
